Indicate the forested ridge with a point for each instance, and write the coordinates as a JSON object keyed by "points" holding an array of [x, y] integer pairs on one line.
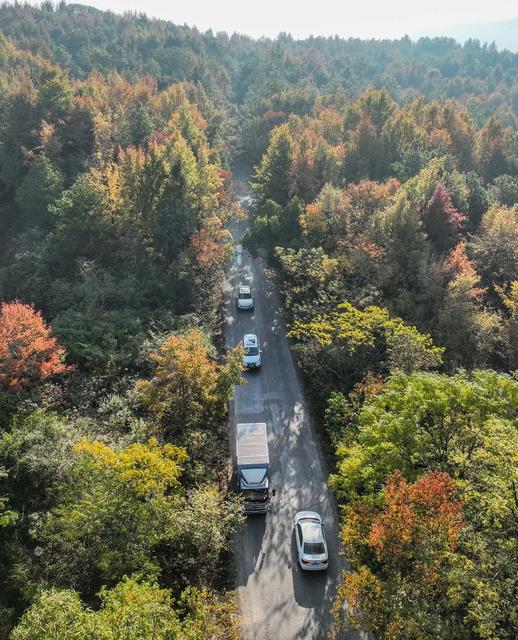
{"points": [[385, 189], [266, 79]]}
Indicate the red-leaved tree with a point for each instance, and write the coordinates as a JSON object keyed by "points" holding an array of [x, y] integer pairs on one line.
{"points": [[442, 221], [28, 352]]}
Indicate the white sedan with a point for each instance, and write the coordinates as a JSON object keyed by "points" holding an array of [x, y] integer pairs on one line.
{"points": [[311, 541]]}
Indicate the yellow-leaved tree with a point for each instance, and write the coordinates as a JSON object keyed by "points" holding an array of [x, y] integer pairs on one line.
{"points": [[190, 388]]}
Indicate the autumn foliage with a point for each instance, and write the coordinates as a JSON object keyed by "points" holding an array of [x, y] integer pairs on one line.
{"points": [[417, 519], [442, 221], [417, 524], [409, 540], [458, 263], [29, 353], [189, 388]]}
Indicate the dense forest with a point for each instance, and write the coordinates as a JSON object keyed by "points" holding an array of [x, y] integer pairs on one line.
{"points": [[385, 191], [113, 395], [392, 231]]}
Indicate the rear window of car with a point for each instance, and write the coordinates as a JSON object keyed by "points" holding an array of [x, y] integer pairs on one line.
{"points": [[314, 548]]}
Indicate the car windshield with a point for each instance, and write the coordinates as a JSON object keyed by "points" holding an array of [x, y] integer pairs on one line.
{"points": [[251, 351], [245, 296], [314, 548]]}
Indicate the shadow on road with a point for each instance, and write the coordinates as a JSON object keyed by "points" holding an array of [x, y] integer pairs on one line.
{"points": [[250, 539]]}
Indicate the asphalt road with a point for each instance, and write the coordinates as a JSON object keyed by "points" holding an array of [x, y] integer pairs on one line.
{"points": [[278, 601]]}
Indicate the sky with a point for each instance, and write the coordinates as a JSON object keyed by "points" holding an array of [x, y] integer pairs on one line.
{"points": [[301, 18]]}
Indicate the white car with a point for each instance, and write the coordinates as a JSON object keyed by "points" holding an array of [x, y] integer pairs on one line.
{"points": [[252, 355], [311, 541], [245, 301]]}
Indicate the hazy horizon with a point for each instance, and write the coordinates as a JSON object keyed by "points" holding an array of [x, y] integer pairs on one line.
{"points": [[370, 19]]}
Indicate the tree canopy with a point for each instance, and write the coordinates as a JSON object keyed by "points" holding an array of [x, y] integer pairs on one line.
{"points": [[427, 473], [384, 183]]}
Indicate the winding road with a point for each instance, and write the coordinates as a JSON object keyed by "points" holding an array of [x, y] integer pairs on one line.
{"points": [[277, 600]]}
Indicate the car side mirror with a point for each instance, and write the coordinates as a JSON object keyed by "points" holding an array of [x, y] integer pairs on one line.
{"points": [[273, 492]]}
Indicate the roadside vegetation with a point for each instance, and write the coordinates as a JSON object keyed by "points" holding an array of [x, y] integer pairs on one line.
{"points": [[385, 190], [392, 232], [115, 518]]}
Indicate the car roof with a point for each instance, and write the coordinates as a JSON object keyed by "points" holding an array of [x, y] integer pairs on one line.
{"points": [[250, 339], [244, 288], [311, 530]]}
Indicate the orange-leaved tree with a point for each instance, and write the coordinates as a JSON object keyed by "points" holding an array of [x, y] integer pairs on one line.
{"points": [[29, 353], [401, 553], [419, 521]]}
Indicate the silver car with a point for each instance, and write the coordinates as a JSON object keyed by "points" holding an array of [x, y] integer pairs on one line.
{"points": [[311, 541], [245, 302]]}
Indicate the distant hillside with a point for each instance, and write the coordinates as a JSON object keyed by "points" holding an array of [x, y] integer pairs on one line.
{"points": [[504, 33], [270, 78]]}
